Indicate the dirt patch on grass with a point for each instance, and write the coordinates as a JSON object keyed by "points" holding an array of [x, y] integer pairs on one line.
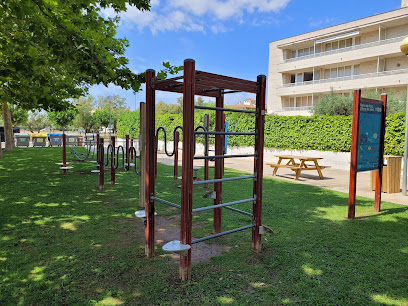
{"points": [[167, 229]]}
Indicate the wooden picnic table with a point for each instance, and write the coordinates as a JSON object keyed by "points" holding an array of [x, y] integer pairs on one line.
{"points": [[298, 166]]}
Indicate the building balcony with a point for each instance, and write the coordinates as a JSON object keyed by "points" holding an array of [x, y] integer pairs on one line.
{"points": [[356, 47], [391, 78], [346, 78], [387, 47]]}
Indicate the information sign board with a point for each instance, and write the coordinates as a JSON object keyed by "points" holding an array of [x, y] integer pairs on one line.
{"points": [[369, 136]]}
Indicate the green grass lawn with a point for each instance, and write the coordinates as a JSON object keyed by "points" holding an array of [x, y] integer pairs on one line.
{"points": [[64, 242]]}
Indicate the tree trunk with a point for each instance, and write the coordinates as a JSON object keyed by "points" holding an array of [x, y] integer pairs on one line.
{"points": [[8, 127]]}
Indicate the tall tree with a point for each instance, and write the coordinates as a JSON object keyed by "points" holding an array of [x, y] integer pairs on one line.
{"points": [[84, 118], [62, 118], [37, 121], [54, 50]]}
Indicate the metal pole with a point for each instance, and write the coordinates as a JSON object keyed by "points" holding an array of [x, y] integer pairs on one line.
{"points": [[219, 151], [127, 151], [176, 141], [64, 152], [405, 159], [135, 100], [113, 160], [149, 158], [187, 166], [101, 164], [206, 144], [142, 150]]}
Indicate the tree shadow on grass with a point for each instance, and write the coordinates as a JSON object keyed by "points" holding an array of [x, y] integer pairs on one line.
{"points": [[61, 243]]}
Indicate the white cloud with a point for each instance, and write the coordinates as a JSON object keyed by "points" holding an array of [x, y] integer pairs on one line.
{"points": [[228, 8], [194, 15], [321, 22]]}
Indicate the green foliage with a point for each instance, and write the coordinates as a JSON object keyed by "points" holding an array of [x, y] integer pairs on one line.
{"points": [[19, 116], [62, 118], [101, 118], [394, 134], [54, 50], [36, 121], [129, 124], [84, 118], [323, 133], [334, 104]]}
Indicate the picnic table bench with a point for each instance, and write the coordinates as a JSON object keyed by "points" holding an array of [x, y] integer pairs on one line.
{"points": [[299, 166]]}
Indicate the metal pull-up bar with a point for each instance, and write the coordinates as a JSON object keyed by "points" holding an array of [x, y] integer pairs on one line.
{"points": [[225, 109], [225, 156], [227, 133], [224, 204], [223, 233], [224, 179]]}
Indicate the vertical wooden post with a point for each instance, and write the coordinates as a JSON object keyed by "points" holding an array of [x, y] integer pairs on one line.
{"points": [[127, 151], [112, 164], [218, 171], [379, 172], [101, 165], [150, 159], [131, 151], [97, 150], [142, 152], [206, 144], [64, 152], [176, 141], [258, 164], [223, 143], [187, 165], [354, 152]]}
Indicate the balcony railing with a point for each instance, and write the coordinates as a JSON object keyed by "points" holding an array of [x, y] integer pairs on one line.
{"points": [[296, 108], [355, 47], [346, 78]]}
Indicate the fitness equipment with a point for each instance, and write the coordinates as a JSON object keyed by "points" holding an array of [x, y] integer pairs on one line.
{"points": [[212, 85], [110, 160]]}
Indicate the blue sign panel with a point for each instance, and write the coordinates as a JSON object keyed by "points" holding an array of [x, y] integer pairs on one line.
{"points": [[369, 136]]}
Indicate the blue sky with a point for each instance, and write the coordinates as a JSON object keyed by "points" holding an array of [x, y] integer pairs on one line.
{"points": [[228, 37]]}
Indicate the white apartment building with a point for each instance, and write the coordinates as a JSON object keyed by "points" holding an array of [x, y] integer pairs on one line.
{"points": [[364, 53]]}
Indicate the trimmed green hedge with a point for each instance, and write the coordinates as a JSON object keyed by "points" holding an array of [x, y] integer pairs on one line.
{"points": [[323, 133]]}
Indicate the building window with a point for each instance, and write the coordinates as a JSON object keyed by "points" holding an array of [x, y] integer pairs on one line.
{"points": [[292, 78], [317, 74], [357, 40], [299, 78], [356, 70], [347, 71], [308, 76]]}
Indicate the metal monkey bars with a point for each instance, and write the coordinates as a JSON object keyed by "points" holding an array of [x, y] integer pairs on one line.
{"points": [[194, 82]]}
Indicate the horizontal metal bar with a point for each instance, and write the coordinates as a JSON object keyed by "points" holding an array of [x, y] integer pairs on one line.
{"points": [[225, 109], [175, 85], [224, 204], [231, 91], [167, 80], [225, 156], [212, 89], [224, 179], [223, 233], [224, 133], [239, 211], [152, 198]]}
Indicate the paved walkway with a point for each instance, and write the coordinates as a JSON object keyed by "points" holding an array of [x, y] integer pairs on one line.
{"points": [[334, 179]]}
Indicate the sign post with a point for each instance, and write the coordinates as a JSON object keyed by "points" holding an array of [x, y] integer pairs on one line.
{"points": [[367, 145]]}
